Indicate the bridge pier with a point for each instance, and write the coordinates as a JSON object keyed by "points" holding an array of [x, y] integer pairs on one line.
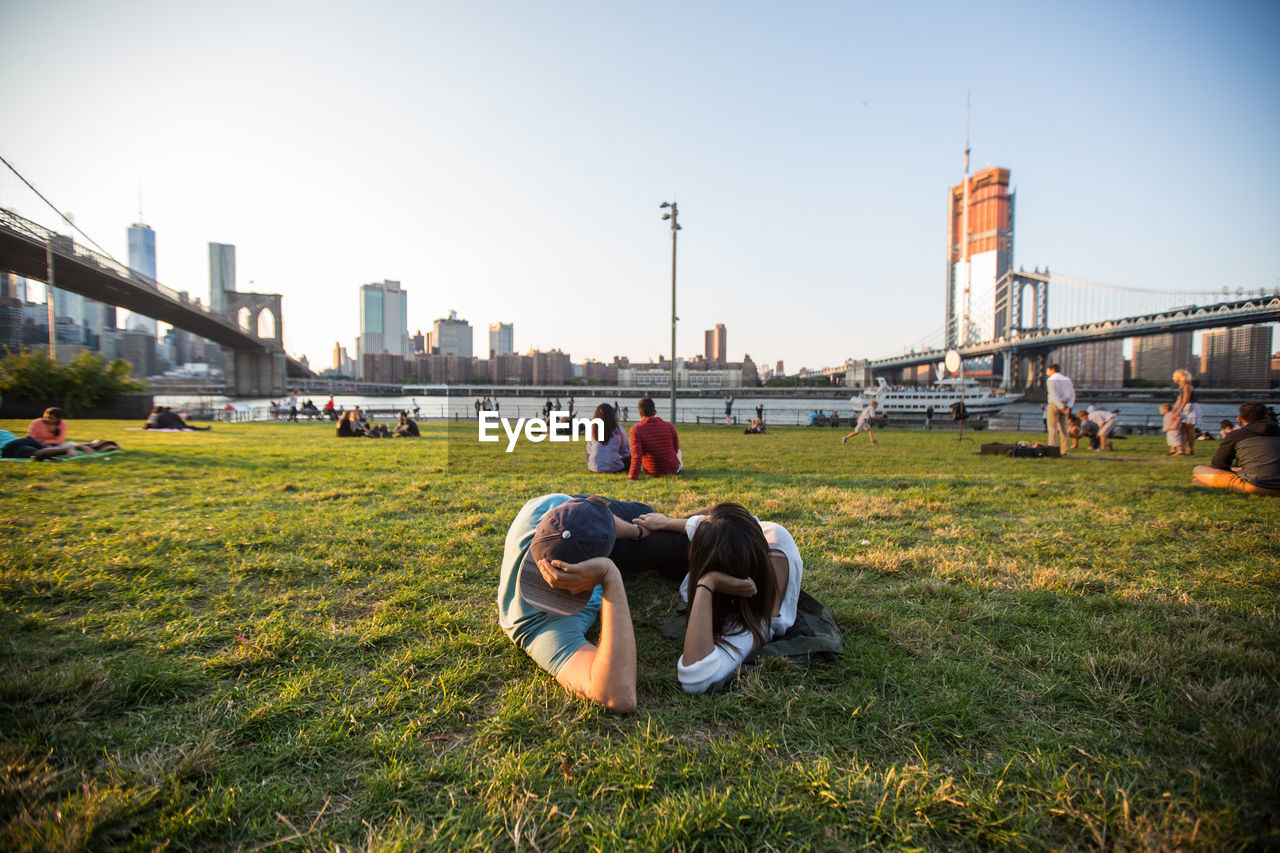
{"points": [[255, 373]]}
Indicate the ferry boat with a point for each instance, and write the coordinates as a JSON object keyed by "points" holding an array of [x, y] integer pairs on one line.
{"points": [[912, 401]]}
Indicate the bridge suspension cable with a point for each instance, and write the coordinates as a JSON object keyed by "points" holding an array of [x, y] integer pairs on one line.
{"points": [[55, 209]]}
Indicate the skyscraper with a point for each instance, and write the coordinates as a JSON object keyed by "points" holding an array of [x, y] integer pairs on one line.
{"points": [[12, 286], [384, 324], [451, 336], [142, 259], [1155, 357], [1238, 357], [501, 339], [717, 344], [979, 254], [222, 275]]}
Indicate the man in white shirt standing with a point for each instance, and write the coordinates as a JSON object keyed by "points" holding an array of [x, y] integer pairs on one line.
{"points": [[1061, 396]]}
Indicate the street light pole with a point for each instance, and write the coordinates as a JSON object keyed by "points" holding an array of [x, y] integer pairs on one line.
{"points": [[675, 227]]}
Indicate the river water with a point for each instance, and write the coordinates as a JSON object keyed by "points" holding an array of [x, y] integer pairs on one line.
{"points": [[778, 411]]}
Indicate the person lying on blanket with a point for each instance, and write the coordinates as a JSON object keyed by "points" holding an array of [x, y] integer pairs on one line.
{"points": [[743, 587], [13, 447]]}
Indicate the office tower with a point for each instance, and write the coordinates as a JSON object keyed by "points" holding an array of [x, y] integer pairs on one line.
{"points": [[69, 307], [1093, 364], [142, 259], [1239, 357], [451, 336], [501, 339], [13, 286], [10, 324], [778, 371], [1155, 357], [979, 254], [384, 324], [717, 344], [222, 275]]}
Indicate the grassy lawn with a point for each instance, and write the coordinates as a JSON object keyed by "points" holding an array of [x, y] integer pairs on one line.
{"points": [[263, 637]]}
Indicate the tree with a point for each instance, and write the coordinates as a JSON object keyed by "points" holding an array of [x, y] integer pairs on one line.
{"points": [[89, 380]]}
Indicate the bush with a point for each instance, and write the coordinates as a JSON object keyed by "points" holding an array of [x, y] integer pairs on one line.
{"points": [[88, 380]]}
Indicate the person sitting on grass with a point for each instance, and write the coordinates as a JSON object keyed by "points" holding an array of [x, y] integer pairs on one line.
{"points": [[1248, 460], [743, 589], [614, 453], [407, 427], [557, 580], [755, 427], [1225, 426], [864, 422], [50, 429], [655, 445], [350, 427]]}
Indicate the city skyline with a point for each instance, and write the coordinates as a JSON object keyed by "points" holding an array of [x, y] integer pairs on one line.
{"points": [[509, 166]]}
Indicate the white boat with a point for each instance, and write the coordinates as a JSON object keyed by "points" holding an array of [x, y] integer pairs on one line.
{"points": [[915, 400]]}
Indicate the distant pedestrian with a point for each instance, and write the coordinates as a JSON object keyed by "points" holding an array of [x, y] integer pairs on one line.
{"points": [[864, 422], [928, 417], [1061, 396], [760, 413], [1186, 407], [1171, 423], [1106, 422], [728, 409]]}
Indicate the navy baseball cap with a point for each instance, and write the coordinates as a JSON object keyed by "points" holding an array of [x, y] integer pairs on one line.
{"points": [[576, 530]]}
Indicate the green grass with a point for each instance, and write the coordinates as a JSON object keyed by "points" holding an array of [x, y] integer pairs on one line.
{"points": [[262, 637]]}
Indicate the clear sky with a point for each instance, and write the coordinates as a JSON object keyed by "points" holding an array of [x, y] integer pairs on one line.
{"points": [[506, 159]]}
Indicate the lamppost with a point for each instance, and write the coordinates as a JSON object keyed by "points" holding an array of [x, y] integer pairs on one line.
{"points": [[675, 226]]}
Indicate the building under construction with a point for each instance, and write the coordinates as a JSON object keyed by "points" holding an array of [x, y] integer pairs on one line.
{"points": [[979, 257]]}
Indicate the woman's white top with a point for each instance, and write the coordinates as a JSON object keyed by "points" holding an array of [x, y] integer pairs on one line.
{"points": [[728, 655]]}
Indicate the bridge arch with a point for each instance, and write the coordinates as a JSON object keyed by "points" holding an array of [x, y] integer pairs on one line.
{"points": [[266, 324], [258, 314]]}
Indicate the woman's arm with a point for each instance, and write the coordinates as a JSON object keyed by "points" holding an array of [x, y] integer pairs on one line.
{"points": [[699, 639]]}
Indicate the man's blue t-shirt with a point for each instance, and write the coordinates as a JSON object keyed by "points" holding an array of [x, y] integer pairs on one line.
{"points": [[549, 639]]}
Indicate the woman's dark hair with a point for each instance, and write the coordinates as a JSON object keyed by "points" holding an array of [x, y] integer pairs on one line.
{"points": [[729, 540], [609, 417], [54, 412]]}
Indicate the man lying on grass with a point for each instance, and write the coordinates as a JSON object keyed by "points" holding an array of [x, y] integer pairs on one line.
{"points": [[558, 577]]}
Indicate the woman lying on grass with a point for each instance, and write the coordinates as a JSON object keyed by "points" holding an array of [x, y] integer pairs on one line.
{"points": [[742, 588]]}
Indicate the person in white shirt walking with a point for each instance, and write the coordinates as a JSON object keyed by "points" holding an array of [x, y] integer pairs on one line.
{"points": [[1061, 397]]}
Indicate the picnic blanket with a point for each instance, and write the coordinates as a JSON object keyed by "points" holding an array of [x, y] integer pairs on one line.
{"points": [[65, 458]]}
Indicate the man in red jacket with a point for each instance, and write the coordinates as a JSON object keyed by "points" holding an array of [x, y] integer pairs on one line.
{"points": [[654, 444]]}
